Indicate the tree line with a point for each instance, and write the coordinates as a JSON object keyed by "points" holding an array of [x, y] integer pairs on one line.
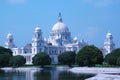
{"points": [[7, 59], [88, 56]]}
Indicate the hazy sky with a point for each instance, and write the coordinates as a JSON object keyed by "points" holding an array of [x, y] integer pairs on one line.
{"points": [[87, 19]]}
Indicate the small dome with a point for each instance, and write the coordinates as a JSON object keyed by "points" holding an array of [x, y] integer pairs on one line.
{"points": [[109, 35], [75, 39], [9, 35], [37, 29]]}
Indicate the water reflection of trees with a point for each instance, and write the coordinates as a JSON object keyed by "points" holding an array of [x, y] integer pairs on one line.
{"points": [[45, 74], [42, 75], [11, 75], [71, 76], [53, 74], [2, 72]]}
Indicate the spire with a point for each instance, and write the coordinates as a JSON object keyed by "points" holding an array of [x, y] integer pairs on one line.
{"points": [[60, 18]]}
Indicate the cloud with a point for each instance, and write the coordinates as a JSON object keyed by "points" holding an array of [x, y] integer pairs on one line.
{"points": [[16, 1], [101, 3]]}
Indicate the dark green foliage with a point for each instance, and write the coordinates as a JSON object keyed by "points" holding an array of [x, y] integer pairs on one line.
{"points": [[89, 56], [113, 57], [5, 55], [41, 59], [67, 58], [118, 61], [17, 61], [5, 51]]}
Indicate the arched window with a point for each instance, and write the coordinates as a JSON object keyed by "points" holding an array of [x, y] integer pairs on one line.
{"points": [[60, 51], [65, 37], [52, 52], [34, 50]]}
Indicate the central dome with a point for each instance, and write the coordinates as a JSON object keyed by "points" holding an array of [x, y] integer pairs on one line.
{"points": [[60, 26]]}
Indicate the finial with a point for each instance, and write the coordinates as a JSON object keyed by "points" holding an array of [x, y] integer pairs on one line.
{"points": [[60, 18]]}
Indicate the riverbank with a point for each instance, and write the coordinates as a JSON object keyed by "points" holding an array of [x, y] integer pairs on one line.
{"points": [[21, 69], [94, 70], [104, 77], [82, 70], [33, 68]]}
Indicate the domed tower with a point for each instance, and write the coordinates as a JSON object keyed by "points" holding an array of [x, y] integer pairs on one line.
{"points": [[109, 45], [75, 40], [60, 34], [10, 41], [37, 41]]}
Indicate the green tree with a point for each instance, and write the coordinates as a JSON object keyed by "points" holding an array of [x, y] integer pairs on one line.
{"points": [[17, 61], [118, 61], [67, 58], [41, 59], [5, 55], [113, 57], [5, 51], [89, 56]]}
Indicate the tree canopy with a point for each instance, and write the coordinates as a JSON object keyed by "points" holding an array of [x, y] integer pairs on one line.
{"points": [[41, 59], [67, 58], [89, 56], [5, 51], [113, 57], [5, 55], [17, 61]]}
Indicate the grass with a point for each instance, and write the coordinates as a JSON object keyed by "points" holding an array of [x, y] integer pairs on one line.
{"points": [[59, 65], [52, 65]]}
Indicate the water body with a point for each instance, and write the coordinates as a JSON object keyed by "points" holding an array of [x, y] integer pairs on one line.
{"points": [[42, 74]]}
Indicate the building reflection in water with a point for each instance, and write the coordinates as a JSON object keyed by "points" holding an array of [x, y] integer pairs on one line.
{"points": [[44, 74]]}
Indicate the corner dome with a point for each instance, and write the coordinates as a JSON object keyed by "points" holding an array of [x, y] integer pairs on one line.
{"points": [[75, 39], [60, 26], [9, 35], [37, 29], [109, 35]]}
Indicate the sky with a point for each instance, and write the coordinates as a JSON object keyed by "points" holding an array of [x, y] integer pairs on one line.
{"points": [[89, 20]]}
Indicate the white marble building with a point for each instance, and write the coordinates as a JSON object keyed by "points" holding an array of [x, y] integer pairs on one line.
{"points": [[60, 40]]}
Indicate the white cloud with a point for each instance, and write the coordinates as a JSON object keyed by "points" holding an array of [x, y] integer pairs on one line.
{"points": [[16, 1], [101, 3]]}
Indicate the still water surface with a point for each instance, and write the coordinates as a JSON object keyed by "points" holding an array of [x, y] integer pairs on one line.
{"points": [[43, 74]]}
